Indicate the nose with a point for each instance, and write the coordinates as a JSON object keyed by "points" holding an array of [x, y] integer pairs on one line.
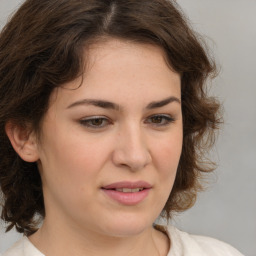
{"points": [[131, 149]]}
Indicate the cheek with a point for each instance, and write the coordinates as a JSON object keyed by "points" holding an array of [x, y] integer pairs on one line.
{"points": [[72, 151], [167, 155], [69, 167], [166, 160]]}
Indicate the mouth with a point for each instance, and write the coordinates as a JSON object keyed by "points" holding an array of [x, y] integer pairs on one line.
{"points": [[127, 193], [127, 190], [128, 186]]}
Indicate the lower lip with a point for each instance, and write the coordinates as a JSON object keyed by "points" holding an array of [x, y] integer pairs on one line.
{"points": [[127, 198]]}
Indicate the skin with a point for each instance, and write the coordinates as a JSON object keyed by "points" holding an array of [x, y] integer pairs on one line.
{"points": [[77, 156]]}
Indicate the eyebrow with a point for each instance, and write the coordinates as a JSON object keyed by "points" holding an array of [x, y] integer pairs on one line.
{"points": [[114, 106], [96, 103], [159, 104]]}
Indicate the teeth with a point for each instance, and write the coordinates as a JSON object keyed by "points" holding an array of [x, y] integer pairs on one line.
{"points": [[129, 190]]}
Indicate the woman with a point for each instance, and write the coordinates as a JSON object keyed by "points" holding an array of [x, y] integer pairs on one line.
{"points": [[104, 121]]}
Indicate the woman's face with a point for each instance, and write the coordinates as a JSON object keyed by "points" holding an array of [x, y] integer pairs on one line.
{"points": [[109, 149]]}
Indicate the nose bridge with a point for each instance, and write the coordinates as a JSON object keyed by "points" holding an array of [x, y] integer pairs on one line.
{"points": [[134, 140], [132, 147]]}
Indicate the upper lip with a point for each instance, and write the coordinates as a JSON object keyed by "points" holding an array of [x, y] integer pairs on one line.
{"points": [[128, 184]]}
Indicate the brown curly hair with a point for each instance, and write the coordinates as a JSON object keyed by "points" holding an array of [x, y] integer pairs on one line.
{"points": [[41, 48]]}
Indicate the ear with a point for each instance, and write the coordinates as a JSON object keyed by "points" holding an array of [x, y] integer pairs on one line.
{"points": [[23, 141]]}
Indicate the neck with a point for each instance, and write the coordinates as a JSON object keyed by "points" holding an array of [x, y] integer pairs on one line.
{"points": [[63, 241]]}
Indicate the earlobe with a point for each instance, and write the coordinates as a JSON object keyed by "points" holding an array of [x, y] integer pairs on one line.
{"points": [[23, 142]]}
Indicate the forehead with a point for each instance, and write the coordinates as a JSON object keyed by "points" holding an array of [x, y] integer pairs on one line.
{"points": [[116, 70], [115, 54]]}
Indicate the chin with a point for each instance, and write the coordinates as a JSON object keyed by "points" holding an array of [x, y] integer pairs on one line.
{"points": [[128, 226]]}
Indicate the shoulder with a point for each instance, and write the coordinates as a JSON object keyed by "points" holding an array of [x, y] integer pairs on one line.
{"points": [[186, 244], [16, 250], [22, 248], [215, 246]]}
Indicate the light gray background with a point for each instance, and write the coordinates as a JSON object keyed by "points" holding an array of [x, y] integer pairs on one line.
{"points": [[227, 210]]}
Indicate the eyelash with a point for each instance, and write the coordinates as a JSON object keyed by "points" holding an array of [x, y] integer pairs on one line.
{"points": [[165, 120], [161, 121], [88, 122]]}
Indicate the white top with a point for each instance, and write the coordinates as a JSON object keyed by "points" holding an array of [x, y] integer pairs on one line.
{"points": [[182, 244]]}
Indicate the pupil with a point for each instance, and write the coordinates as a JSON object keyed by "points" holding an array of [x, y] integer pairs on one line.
{"points": [[97, 122], [157, 119]]}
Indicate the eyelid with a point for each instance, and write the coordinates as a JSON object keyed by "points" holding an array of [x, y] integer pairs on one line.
{"points": [[86, 122], [167, 117], [164, 121]]}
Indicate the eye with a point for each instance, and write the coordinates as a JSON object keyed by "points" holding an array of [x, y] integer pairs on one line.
{"points": [[160, 120], [95, 122]]}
